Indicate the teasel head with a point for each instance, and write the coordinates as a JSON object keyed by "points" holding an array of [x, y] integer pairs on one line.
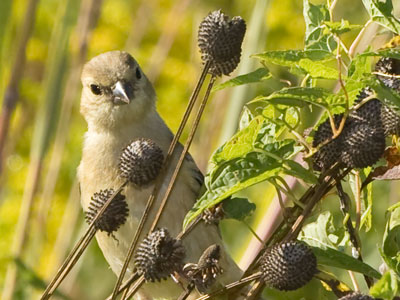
{"points": [[141, 162], [288, 266], [159, 256], [356, 296], [203, 274], [220, 41], [115, 214]]}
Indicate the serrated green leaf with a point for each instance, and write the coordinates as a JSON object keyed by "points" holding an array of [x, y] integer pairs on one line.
{"points": [[339, 27], [334, 258], [324, 233], [385, 288], [238, 208], [295, 169], [315, 16], [381, 11], [388, 52], [253, 155], [298, 96], [318, 69], [290, 58], [258, 75]]}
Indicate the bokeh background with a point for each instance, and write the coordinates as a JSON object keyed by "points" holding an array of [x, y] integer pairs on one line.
{"points": [[41, 130]]}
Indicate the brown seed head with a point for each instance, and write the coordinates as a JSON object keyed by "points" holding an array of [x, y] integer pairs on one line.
{"points": [[159, 255], [288, 266], [220, 40], [141, 161], [113, 217]]}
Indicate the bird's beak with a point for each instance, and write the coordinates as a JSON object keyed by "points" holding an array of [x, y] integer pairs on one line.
{"points": [[120, 93]]}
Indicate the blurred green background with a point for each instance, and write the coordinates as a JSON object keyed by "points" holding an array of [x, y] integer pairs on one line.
{"points": [[41, 146]]}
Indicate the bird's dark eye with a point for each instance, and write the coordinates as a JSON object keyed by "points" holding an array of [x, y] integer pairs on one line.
{"points": [[95, 89], [138, 73]]}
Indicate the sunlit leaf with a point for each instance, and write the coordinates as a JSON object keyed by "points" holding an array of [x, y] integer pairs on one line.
{"points": [[316, 38], [253, 77], [385, 288]]}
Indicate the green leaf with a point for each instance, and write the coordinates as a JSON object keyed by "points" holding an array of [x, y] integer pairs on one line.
{"points": [[385, 288], [255, 76], [330, 257], [298, 96], [295, 169], [390, 251], [238, 208], [253, 155], [324, 233], [290, 58], [318, 69], [316, 37], [339, 27], [388, 52], [381, 11]]}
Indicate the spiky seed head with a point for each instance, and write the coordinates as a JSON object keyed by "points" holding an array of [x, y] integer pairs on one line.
{"points": [[328, 154], [376, 111], [159, 255], [288, 266], [204, 273], [141, 161], [356, 296], [113, 217], [363, 145], [389, 67], [220, 41], [390, 121]]}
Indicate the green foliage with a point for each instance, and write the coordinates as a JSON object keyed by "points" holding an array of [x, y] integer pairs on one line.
{"points": [[387, 287], [382, 13], [238, 208]]}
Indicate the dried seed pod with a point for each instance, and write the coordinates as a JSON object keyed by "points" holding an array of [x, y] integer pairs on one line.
{"points": [[141, 161], [363, 145], [356, 296], [204, 273], [389, 66], [220, 41], [159, 255], [288, 266], [328, 154], [113, 217]]}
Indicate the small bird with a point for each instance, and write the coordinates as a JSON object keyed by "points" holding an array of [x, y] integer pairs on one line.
{"points": [[118, 104]]}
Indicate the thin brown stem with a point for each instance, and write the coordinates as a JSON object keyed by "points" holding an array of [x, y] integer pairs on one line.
{"points": [[134, 289], [184, 152], [160, 179], [232, 285]]}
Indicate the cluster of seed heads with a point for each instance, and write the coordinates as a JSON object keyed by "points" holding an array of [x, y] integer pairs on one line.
{"points": [[356, 296], [115, 214], [141, 162], [288, 266], [220, 40], [362, 140], [204, 273], [159, 256]]}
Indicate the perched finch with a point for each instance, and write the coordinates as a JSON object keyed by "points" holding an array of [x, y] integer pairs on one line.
{"points": [[118, 104]]}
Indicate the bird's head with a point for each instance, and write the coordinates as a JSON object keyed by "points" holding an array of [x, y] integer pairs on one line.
{"points": [[115, 90]]}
